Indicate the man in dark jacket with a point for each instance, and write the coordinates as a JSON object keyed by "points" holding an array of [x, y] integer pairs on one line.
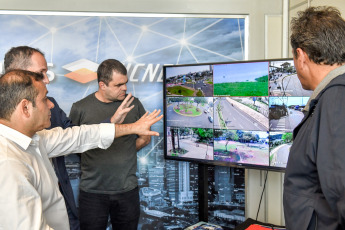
{"points": [[314, 186]]}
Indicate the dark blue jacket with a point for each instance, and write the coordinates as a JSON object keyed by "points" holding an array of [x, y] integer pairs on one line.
{"points": [[59, 119], [314, 187]]}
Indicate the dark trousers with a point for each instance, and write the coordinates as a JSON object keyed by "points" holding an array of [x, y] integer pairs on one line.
{"points": [[124, 210], [73, 220]]}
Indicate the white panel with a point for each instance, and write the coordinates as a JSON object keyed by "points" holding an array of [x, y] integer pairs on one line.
{"points": [[273, 36], [274, 198], [254, 185]]}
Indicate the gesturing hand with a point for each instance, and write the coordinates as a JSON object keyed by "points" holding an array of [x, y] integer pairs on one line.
{"points": [[144, 124], [121, 113]]}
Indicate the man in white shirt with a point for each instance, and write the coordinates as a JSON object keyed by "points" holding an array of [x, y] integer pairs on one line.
{"points": [[29, 193]]}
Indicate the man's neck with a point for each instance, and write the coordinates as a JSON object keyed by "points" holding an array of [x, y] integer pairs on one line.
{"points": [[101, 97], [18, 127], [320, 71]]}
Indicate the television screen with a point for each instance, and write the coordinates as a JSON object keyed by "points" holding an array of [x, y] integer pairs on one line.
{"points": [[238, 114]]}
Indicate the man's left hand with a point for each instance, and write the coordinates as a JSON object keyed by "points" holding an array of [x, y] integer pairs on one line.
{"points": [[121, 113]]}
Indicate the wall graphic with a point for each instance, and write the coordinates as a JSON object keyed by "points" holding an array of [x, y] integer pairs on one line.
{"points": [[74, 44]]}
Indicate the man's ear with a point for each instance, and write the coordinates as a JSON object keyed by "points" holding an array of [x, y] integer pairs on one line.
{"points": [[25, 107], [302, 57], [101, 84]]}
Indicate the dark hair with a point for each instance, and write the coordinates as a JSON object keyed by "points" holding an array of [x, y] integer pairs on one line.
{"points": [[15, 86], [320, 32], [19, 57], [107, 68]]}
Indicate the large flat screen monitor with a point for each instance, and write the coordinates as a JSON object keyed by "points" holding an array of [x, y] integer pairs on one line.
{"points": [[238, 114]]}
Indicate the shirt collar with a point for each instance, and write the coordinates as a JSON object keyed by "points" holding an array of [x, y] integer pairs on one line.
{"points": [[329, 77], [17, 137]]}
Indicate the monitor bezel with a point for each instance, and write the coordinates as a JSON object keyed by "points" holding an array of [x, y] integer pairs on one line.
{"points": [[213, 162]]}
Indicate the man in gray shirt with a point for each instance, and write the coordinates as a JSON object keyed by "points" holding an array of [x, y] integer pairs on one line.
{"points": [[108, 182]]}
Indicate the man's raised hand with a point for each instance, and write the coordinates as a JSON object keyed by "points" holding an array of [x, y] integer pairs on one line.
{"points": [[121, 113]]}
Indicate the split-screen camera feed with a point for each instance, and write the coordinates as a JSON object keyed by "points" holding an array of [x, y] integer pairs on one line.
{"points": [[238, 114]]}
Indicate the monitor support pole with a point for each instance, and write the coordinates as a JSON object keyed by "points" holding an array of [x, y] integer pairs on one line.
{"points": [[203, 191]]}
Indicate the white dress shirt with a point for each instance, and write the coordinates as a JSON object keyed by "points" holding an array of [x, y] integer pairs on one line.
{"points": [[29, 193]]}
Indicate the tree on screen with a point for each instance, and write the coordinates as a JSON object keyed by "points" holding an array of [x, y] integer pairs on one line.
{"points": [[200, 100]]}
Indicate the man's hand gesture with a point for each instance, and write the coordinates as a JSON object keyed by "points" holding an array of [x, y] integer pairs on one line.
{"points": [[141, 126], [121, 113], [146, 121]]}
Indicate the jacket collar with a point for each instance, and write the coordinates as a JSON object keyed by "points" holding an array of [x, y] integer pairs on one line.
{"points": [[329, 77]]}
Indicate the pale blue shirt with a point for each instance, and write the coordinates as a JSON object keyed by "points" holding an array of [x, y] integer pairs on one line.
{"points": [[29, 194]]}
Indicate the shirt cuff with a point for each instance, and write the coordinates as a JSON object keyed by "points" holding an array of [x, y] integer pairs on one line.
{"points": [[107, 135]]}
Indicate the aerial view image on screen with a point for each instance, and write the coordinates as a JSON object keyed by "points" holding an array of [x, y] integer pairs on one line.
{"points": [[247, 113], [283, 80], [240, 146], [285, 113], [280, 143], [186, 142], [241, 79], [190, 81], [194, 112]]}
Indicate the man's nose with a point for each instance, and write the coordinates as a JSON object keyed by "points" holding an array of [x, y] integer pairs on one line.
{"points": [[50, 104]]}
